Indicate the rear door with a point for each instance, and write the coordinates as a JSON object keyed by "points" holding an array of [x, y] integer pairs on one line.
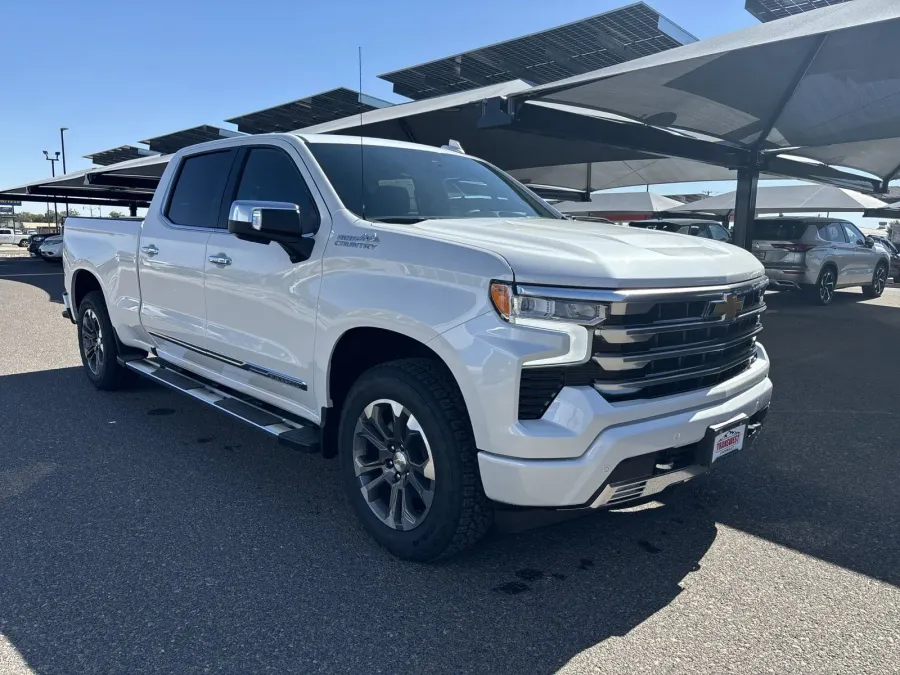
{"points": [[261, 307], [172, 251]]}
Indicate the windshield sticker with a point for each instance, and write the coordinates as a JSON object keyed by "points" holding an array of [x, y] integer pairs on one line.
{"points": [[368, 241]]}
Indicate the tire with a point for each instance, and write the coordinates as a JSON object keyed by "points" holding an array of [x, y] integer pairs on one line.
{"points": [[94, 328], [438, 434], [823, 292], [23, 243], [879, 281]]}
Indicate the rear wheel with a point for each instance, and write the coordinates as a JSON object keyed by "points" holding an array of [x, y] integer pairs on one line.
{"points": [[879, 281], [823, 291], [97, 343], [408, 461]]}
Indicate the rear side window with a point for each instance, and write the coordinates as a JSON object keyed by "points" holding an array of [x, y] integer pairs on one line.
{"points": [[199, 188], [832, 232], [270, 175], [778, 230]]}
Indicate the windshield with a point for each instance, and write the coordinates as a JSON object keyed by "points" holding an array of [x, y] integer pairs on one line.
{"points": [[394, 184]]}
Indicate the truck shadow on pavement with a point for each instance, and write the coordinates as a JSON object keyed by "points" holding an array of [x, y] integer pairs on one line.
{"points": [[145, 533], [47, 277]]}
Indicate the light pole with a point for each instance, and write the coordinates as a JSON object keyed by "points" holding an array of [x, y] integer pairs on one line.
{"points": [[53, 161], [62, 143]]}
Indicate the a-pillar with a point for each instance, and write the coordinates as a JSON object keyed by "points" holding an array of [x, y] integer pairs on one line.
{"points": [[745, 207]]}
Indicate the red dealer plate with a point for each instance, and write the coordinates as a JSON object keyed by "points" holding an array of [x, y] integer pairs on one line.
{"points": [[728, 441]]}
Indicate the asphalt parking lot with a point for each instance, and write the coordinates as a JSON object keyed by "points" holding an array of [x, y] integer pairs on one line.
{"points": [[141, 532]]}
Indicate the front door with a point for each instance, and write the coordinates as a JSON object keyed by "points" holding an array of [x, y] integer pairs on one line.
{"points": [[261, 307], [864, 258], [172, 251]]}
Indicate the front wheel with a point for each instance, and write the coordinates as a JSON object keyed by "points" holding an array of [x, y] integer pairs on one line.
{"points": [[97, 343], [879, 281], [23, 243], [409, 463]]}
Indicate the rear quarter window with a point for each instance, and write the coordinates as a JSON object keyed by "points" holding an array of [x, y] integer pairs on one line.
{"points": [[778, 230]]}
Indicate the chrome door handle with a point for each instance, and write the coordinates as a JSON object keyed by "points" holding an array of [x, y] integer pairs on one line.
{"points": [[220, 259], [150, 250]]}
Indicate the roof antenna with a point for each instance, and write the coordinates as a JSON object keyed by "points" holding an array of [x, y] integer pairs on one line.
{"points": [[362, 163]]}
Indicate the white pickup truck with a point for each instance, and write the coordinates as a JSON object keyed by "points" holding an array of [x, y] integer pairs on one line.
{"points": [[418, 313]]}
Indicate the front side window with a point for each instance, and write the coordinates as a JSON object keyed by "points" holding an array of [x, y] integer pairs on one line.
{"points": [[270, 175], [199, 187], [854, 236], [397, 184], [718, 232]]}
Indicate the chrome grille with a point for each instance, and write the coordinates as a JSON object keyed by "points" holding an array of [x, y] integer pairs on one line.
{"points": [[670, 342]]}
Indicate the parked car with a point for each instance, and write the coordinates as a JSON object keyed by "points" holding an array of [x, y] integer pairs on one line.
{"points": [[51, 248], [451, 357], [10, 236], [697, 228], [819, 255], [34, 243], [895, 256]]}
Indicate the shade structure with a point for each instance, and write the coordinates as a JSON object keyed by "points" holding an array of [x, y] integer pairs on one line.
{"points": [[130, 183], [824, 85], [580, 164], [891, 211], [788, 199], [435, 121], [620, 205]]}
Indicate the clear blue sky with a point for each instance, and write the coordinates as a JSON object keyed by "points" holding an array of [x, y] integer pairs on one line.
{"points": [[115, 72]]}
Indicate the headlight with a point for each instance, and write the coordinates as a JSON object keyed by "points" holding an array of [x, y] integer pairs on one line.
{"points": [[515, 308]]}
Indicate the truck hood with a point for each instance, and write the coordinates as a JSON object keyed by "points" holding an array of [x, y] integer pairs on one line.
{"points": [[598, 255]]}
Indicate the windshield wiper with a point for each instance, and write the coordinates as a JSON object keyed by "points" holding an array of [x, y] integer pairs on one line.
{"points": [[398, 219]]}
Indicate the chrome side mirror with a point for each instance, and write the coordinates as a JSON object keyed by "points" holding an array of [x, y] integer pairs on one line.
{"points": [[264, 222]]}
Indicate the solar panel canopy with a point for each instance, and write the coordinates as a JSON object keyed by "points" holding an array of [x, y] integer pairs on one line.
{"points": [[769, 10], [115, 155], [169, 143], [308, 111], [598, 41]]}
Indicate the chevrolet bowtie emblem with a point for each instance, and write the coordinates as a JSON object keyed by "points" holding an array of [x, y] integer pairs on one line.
{"points": [[726, 309]]}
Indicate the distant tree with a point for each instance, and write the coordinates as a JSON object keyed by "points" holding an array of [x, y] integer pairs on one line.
{"points": [[115, 214]]}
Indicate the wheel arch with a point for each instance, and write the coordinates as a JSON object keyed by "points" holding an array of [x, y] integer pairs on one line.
{"points": [[363, 347], [83, 282]]}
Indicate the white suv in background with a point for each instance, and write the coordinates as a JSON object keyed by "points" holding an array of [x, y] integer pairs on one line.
{"points": [[819, 255]]}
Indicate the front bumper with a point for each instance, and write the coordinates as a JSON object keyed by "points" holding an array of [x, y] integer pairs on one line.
{"points": [[624, 462]]}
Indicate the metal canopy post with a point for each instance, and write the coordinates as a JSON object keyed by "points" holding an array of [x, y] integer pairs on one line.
{"points": [[745, 206]]}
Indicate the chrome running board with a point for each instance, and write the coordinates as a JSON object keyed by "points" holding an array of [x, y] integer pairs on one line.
{"points": [[289, 431]]}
